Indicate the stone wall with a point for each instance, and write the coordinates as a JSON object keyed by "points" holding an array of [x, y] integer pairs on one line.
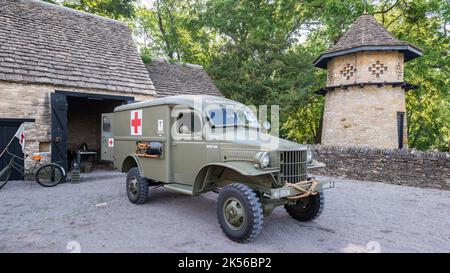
{"points": [[365, 66], [22, 100], [363, 116], [393, 166]]}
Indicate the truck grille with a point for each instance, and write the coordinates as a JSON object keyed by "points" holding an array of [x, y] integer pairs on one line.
{"points": [[292, 166]]}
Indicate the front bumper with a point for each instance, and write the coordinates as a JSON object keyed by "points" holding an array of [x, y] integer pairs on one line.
{"points": [[300, 189], [315, 164]]}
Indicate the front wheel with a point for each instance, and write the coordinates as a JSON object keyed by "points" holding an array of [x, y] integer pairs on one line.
{"points": [[306, 209], [4, 176], [50, 175], [137, 187], [239, 212]]}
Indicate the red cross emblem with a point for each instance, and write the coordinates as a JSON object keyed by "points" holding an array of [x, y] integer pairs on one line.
{"points": [[136, 122], [22, 137], [111, 142]]}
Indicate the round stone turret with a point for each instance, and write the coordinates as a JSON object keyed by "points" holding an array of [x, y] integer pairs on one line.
{"points": [[365, 90]]}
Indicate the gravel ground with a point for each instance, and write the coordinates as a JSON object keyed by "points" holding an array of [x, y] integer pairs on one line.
{"points": [[97, 216]]}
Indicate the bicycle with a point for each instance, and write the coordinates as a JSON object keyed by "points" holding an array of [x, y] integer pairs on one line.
{"points": [[46, 175]]}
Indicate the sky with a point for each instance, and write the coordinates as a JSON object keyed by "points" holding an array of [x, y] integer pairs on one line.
{"points": [[147, 3]]}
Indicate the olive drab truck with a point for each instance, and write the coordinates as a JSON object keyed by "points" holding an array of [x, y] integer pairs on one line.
{"points": [[197, 144]]}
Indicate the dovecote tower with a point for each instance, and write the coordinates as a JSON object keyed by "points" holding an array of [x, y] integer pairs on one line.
{"points": [[365, 91]]}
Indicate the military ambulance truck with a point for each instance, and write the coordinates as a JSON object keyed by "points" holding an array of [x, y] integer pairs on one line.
{"points": [[197, 144]]}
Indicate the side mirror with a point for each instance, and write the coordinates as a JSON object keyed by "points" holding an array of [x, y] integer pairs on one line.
{"points": [[266, 125]]}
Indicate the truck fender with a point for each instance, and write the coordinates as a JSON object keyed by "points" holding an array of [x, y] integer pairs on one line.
{"points": [[131, 161], [244, 168]]}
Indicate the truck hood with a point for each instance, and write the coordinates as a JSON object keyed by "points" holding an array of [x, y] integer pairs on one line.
{"points": [[255, 140]]}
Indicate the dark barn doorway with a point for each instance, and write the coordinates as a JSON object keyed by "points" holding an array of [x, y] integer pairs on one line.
{"points": [[76, 121], [8, 128]]}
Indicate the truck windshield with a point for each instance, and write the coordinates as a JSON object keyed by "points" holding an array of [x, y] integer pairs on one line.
{"points": [[225, 116]]}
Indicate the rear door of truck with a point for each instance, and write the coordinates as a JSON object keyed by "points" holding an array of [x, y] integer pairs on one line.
{"points": [[107, 149]]}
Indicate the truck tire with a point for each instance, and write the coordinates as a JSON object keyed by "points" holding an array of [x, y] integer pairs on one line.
{"points": [[239, 212], [137, 187], [307, 211]]}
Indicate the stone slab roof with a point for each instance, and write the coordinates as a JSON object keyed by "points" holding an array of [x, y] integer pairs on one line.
{"points": [[49, 44], [367, 34], [172, 79], [365, 31]]}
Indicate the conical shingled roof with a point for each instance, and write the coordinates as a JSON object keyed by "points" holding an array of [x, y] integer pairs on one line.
{"points": [[365, 31], [367, 34]]}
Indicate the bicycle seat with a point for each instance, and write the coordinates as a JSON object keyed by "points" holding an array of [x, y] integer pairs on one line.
{"points": [[37, 158]]}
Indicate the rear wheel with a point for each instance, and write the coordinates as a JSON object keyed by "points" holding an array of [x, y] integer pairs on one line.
{"points": [[306, 209], [50, 175], [137, 187], [239, 212], [4, 176]]}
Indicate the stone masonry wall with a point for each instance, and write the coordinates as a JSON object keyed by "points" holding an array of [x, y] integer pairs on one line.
{"points": [[363, 116], [365, 66], [393, 166], [21, 100]]}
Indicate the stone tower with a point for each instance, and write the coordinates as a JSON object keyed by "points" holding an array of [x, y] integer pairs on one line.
{"points": [[365, 91]]}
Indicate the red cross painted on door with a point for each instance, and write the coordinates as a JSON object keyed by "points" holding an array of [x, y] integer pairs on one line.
{"points": [[136, 122], [111, 142]]}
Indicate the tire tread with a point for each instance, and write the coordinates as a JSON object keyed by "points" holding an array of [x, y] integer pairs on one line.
{"points": [[142, 183], [306, 217], [255, 210]]}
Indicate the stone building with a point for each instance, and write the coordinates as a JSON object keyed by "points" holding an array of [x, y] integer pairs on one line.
{"points": [[365, 91], [61, 68]]}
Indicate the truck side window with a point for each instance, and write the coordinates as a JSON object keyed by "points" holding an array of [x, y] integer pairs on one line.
{"points": [[106, 124], [188, 123]]}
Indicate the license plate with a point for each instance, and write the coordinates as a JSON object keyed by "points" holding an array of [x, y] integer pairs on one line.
{"points": [[328, 185], [281, 193]]}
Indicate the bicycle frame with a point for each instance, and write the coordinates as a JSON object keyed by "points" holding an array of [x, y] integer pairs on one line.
{"points": [[27, 173]]}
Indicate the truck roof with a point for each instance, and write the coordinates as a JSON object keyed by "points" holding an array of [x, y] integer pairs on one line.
{"points": [[192, 101]]}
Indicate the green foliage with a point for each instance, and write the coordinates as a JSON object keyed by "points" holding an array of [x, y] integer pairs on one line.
{"points": [[260, 60], [172, 29], [146, 58], [116, 9]]}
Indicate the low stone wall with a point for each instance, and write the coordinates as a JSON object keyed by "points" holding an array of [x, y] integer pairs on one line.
{"points": [[393, 166]]}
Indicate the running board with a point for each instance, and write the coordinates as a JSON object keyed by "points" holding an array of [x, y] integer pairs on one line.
{"points": [[180, 188]]}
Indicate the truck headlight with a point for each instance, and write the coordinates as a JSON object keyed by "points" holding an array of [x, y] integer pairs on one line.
{"points": [[263, 159], [309, 156]]}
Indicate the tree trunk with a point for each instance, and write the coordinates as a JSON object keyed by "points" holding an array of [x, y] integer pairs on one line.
{"points": [[169, 50]]}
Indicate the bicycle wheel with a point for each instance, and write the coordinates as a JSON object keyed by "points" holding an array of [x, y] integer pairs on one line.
{"points": [[4, 176], [50, 175]]}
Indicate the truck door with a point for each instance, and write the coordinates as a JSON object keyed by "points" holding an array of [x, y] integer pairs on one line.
{"points": [[107, 149], [188, 147]]}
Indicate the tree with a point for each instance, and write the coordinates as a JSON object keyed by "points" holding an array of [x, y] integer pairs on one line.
{"points": [[257, 62], [171, 29], [116, 9]]}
